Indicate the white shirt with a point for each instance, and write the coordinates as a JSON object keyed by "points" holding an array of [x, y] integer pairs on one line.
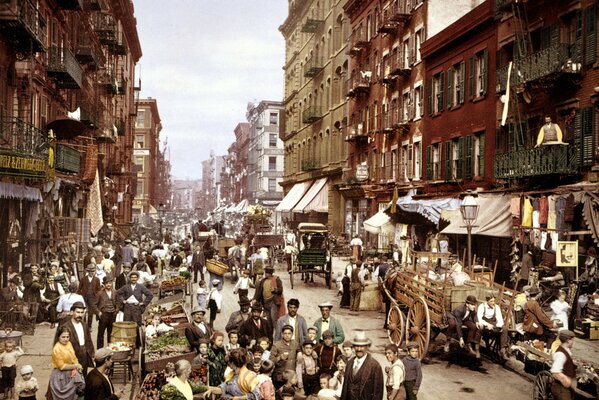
{"points": [[485, 311], [292, 321], [57, 286], [559, 359], [358, 364], [80, 332], [67, 300]]}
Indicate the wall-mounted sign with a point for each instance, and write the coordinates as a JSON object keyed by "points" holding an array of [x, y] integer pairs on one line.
{"points": [[21, 165], [567, 254], [362, 172], [141, 152]]}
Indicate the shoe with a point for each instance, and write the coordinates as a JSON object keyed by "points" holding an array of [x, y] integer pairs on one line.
{"points": [[446, 347]]}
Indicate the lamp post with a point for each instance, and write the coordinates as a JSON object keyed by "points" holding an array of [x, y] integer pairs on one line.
{"points": [[469, 209], [161, 218], [114, 210]]}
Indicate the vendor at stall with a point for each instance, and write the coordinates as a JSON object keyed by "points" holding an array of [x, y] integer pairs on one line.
{"points": [[157, 327], [536, 325], [563, 368]]}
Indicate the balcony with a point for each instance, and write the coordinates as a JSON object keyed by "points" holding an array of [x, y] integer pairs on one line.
{"points": [[22, 25], [310, 164], [71, 5], [64, 68], [401, 63], [402, 11], [109, 82], [405, 117], [388, 66], [313, 67], [359, 84], [312, 25], [107, 133], [359, 40], [356, 133], [543, 160], [89, 54], [67, 159], [547, 65], [118, 48], [105, 27], [21, 137], [389, 120], [311, 114]]}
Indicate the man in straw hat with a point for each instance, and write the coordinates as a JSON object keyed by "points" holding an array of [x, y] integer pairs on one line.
{"points": [[79, 336], [97, 384], [465, 315], [563, 368], [363, 374], [198, 329], [89, 287], [326, 322]]}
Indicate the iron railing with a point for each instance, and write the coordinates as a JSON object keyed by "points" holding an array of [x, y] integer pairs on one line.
{"points": [[311, 114], [24, 24], [543, 160], [64, 68], [67, 159], [313, 66], [22, 138]]}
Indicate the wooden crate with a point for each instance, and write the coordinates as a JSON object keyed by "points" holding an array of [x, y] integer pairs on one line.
{"points": [[157, 365]]}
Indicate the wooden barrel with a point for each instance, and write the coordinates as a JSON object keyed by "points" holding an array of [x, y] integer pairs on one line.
{"points": [[125, 331]]}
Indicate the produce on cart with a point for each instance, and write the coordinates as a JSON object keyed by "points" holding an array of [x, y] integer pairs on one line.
{"points": [[154, 381]]}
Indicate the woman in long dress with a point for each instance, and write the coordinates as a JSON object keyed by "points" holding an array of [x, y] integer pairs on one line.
{"points": [[560, 308], [66, 381]]}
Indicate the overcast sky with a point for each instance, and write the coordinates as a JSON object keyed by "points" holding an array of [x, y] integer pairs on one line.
{"points": [[204, 60]]}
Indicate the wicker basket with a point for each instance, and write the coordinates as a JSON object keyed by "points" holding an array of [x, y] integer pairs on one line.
{"points": [[216, 267]]}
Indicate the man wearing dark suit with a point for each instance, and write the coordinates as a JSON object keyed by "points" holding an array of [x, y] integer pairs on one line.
{"points": [[239, 317], [89, 287], [198, 330], [465, 315], [97, 384], [363, 374], [300, 327], [135, 298], [80, 336], [198, 261], [108, 306], [255, 327]]}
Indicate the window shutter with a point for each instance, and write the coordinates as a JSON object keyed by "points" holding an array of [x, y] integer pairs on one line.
{"points": [[462, 89], [471, 78], [450, 98], [469, 150], [429, 163], [448, 161], [590, 42], [411, 106], [588, 137], [441, 90], [481, 155], [410, 164], [460, 159], [578, 137], [485, 71], [411, 50], [430, 97], [576, 48]]}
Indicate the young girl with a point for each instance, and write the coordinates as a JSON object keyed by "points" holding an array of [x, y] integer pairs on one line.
{"points": [[8, 362], [233, 341], [560, 308], [264, 342], [202, 361], [217, 357], [26, 386], [202, 294], [243, 285]]}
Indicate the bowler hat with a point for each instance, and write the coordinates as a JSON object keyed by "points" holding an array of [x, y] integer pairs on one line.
{"points": [[257, 307], [470, 299], [90, 268], [107, 279], [244, 301], [76, 305], [360, 339]]}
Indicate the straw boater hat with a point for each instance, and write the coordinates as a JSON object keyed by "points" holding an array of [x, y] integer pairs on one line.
{"points": [[326, 304], [360, 339]]}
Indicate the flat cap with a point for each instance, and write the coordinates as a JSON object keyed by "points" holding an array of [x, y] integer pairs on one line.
{"points": [[102, 354]]}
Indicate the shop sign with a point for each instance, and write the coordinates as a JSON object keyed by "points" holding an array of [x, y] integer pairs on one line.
{"points": [[362, 172], [141, 152], [21, 165]]}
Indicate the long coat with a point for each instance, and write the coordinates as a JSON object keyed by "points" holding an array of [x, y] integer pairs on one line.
{"points": [[368, 382], [85, 353], [194, 334], [534, 314], [248, 331], [97, 387]]}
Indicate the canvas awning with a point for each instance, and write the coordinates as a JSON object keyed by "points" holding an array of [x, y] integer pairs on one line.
{"points": [[315, 199], [494, 217], [379, 223], [241, 207], [429, 208], [293, 197], [230, 208]]}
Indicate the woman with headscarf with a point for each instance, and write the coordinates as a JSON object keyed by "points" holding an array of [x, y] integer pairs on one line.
{"points": [[66, 381]]}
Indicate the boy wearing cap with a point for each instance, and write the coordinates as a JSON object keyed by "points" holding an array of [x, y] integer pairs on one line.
{"points": [[327, 353], [97, 384], [465, 314], [215, 299], [284, 354], [27, 386], [563, 368], [108, 306], [307, 369]]}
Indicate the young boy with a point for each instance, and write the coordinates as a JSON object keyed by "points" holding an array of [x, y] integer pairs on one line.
{"points": [[395, 374], [8, 364], [287, 393], [348, 349], [312, 331], [413, 371], [289, 386], [307, 370], [243, 285], [215, 299], [325, 391], [202, 294], [327, 353], [233, 341], [26, 387]]}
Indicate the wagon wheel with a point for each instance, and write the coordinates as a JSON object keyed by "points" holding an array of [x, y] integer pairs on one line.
{"points": [[395, 325], [542, 386], [418, 325]]}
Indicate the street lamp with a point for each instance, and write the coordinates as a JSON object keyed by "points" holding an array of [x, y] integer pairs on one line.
{"points": [[114, 210], [160, 217], [469, 209]]}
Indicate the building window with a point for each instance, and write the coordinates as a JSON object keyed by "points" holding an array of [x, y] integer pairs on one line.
{"points": [[406, 107], [406, 59], [394, 164], [140, 120], [457, 146], [272, 140], [418, 102], [272, 163], [417, 150], [436, 99], [478, 74], [139, 141], [479, 154], [455, 85], [272, 185], [418, 39], [140, 188], [436, 162], [274, 118]]}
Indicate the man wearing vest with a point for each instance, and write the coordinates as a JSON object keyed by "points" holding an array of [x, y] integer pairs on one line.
{"points": [[563, 368], [269, 292]]}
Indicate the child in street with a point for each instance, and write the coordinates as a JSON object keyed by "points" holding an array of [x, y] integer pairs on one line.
{"points": [[312, 331], [396, 373], [243, 285], [264, 342], [348, 349], [289, 386], [307, 370], [233, 341], [202, 294], [325, 391], [327, 353], [217, 357], [8, 364], [413, 371], [202, 361], [26, 387], [267, 389], [215, 299]]}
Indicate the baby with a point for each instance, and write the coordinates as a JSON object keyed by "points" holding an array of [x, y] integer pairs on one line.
{"points": [[8, 363], [26, 387]]}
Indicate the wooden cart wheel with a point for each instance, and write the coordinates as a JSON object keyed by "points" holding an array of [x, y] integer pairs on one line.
{"points": [[293, 261], [542, 386], [395, 325], [418, 325]]}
